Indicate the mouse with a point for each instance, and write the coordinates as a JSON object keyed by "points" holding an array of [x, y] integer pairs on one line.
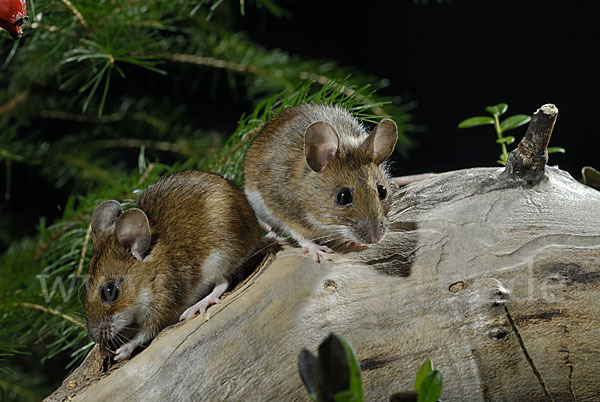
{"points": [[168, 259], [316, 173]]}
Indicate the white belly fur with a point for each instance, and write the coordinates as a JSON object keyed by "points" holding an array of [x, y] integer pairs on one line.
{"points": [[215, 267], [262, 212]]}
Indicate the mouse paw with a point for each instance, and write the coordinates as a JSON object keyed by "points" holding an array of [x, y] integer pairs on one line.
{"points": [[275, 237], [199, 308], [124, 351], [317, 252], [221, 286]]}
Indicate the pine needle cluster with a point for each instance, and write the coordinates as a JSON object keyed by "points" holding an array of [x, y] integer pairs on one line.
{"points": [[102, 98]]}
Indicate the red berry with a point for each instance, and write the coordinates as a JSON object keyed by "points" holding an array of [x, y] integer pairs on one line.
{"points": [[13, 15]]}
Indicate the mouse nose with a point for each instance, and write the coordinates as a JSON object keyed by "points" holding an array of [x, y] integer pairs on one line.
{"points": [[370, 233]]}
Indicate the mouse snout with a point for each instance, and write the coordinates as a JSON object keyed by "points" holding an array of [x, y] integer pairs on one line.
{"points": [[102, 332], [369, 232]]}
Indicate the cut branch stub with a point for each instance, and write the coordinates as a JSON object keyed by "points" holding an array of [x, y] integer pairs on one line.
{"points": [[527, 163]]}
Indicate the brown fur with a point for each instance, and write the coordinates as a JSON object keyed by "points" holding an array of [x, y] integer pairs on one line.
{"points": [[276, 168], [191, 214]]}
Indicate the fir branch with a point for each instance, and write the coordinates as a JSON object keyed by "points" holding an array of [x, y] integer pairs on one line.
{"points": [[213, 62], [56, 70], [106, 118], [224, 64], [21, 391], [15, 101], [66, 253], [11, 156], [229, 161], [52, 311], [253, 69], [181, 147], [77, 15], [86, 240], [88, 167]]}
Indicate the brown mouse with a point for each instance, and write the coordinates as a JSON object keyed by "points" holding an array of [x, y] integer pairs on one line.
{"points": [[314, 172], [151, 264]]}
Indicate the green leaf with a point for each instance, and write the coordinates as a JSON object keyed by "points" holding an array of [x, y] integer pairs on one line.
{"points": [[476, 121], [307, 366], [514, 121], [338, 371], [355, 377], [502, 160], [552, 150], [509, 139], [431, 387], [426, 368], [346, 396], [498, 109]]}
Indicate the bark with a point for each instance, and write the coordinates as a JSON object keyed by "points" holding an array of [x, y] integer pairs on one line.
{"points": [[496, 280]]}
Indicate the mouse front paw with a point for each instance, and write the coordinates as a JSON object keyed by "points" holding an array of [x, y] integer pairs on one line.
{"points": [[124, 351], [275, 237], [317, 252]]}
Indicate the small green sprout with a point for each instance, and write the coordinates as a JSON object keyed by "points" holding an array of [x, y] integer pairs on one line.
{"points": [[501, 127], [428, 383]]}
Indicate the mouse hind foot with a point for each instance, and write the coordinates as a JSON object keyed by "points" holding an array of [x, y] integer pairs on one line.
{"points": [[212, 298]]}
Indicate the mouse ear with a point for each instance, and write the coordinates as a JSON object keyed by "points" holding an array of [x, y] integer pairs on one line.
{"points": [[321, 143], [382, 140], [133, 231], [105, 215]]}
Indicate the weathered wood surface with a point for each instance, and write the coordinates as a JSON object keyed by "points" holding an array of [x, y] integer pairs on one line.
{"points": [[462, 245]]}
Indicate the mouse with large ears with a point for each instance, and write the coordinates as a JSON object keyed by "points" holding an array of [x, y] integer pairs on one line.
{"points": [[168, 259], [316, 173]]}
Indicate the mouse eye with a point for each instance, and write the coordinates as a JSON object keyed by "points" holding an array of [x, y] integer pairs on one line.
{"points": [[110, 292], [344, 197], [382, 191]]}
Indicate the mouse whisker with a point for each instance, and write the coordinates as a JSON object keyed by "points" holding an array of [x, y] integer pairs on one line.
{"points": [[319, 238], [260, 250]]}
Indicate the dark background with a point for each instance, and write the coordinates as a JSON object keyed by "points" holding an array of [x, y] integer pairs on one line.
{"points": [[454, 59]]}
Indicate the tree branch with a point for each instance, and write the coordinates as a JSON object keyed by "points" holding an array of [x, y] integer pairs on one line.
{"points": [[528, 161]]}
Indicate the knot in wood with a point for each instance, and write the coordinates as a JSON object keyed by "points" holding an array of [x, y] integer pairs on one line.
{"points": [[457, 287]]}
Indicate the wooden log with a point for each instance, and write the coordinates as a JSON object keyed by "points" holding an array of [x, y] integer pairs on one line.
{"points": [[497, 283]]}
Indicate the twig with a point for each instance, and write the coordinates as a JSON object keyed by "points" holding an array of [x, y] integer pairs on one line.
{"points": [[146, 174], [527, 356], [77, 14], [104, 119], [527, 163], [13, 102], [212, 62], [52, 311], [84, 250], [181, 148]]}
